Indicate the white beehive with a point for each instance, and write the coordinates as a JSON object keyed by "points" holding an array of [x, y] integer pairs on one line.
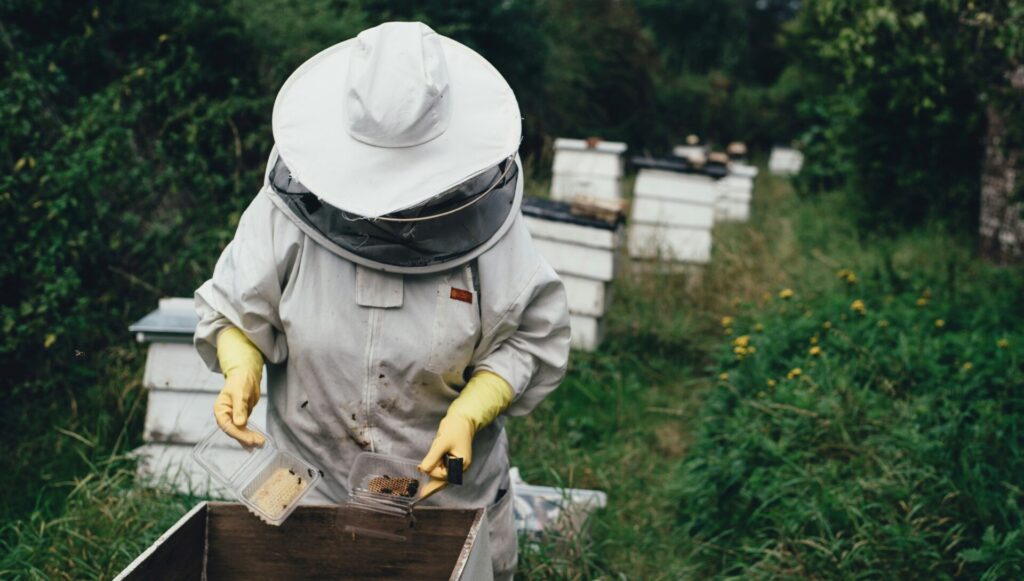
{"points": [[182, 390], [584, 253], [735, 192], [673, 214], [693, 153], [785, 161], [587, 168]]}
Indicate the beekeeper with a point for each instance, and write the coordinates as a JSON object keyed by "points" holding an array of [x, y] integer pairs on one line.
{"points": [[384, 274]]}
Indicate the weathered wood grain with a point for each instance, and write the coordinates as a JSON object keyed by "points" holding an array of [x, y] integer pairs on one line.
{"points": [[177, 555], [313, 544]]}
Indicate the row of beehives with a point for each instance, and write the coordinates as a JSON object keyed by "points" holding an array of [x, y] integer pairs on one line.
{"points": [[676, 203]]}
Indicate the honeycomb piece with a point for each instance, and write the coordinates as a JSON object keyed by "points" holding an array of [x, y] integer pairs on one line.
{"points": [[395, 486], [278, 491]]}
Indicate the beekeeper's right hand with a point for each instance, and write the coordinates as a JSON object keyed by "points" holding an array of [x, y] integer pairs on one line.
{"points": [[242, 364]]}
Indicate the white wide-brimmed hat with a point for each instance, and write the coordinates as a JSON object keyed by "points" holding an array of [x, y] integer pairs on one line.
{"points": [[392, 118]]}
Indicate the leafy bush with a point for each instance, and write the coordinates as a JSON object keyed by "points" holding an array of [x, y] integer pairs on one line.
{"points": [[895, 101], [875, 429]]}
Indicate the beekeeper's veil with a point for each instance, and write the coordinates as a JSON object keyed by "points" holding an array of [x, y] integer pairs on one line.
{"points": [[397, 150]]}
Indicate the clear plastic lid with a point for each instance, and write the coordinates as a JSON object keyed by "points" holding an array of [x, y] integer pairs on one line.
{"points": [[389, 487], [269, 481]]}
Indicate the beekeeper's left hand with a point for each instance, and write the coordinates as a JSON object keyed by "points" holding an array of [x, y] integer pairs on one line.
{"points": [[484, 397]]}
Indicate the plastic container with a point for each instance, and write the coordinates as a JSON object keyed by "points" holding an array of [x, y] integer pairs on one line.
{"points": [[269, 481], [385, 484]]}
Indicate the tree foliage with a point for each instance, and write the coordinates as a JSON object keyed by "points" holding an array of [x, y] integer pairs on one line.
{"points": [[895, 93]]}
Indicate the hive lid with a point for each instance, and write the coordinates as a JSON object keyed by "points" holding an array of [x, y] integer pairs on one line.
{"points": [[174, 321], [555, 211], [591, 144], [680, 165]]}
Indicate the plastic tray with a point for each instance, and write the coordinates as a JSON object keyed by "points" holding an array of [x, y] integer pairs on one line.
{"points": [[262, 479]]}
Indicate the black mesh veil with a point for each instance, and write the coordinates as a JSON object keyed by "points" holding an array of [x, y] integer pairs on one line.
{"points": [[440, 230]]}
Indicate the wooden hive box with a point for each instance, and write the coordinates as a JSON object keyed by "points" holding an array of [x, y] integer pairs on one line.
{"points": [[588, 168], [584, 252], [223, 541], [181, 390], [673, 211]]}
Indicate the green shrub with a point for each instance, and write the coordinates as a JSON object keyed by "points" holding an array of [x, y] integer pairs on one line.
{"points": [[873, 430]]}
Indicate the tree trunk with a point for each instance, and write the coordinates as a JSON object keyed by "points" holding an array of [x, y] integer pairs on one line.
{"points": [[1002, 226]]}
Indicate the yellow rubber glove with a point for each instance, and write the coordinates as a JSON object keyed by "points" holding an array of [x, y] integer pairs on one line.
{"points": [[242, 364], [484, 397]]}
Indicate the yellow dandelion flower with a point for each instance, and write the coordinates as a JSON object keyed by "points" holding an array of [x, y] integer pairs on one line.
{"points": [[940, 323], [724, 376], [794, 373], [771, 383], [1003, 343], [759, 328], [741, 341], [786, 294], [921, 302], [727, 321], [739, 350], [826, 325], [727, 331], [162, 38], [751, 349], [883, 324], [814, 340], [858, 307], [847, 275], [815, 351], [967, 366]]}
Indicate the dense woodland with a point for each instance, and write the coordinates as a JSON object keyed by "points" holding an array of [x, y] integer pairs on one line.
{"points": [[133, 134]]}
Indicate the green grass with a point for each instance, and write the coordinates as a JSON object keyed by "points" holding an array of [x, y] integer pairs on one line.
{"points": [[885, 457]]}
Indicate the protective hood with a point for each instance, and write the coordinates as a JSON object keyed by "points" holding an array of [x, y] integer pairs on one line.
{"points": [[446, 231]]}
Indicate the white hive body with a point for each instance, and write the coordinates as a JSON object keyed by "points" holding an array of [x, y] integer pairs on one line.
{"points": [[587, 168], [673, 214], [179, 412], [785, 161], [735, 192], [584, 253]]}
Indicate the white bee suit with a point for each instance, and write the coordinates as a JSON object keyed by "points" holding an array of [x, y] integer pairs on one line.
{"points": [[364, 360]]}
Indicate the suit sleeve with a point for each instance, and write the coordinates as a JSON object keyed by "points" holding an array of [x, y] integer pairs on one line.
{"points": [[247, 283], [528, 343]]}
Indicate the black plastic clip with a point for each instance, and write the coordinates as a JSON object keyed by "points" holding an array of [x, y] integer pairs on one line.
{"points": [[453, 466]]}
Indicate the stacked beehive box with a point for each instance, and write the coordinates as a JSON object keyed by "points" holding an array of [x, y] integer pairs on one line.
{"points": [[673, 211], [583, 251], [588, 167], [181, 395], [735, 192], [785, 161]]}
